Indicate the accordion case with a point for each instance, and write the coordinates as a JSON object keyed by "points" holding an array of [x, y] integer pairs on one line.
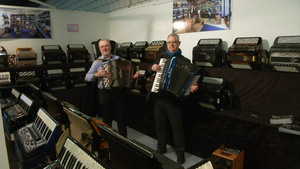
{"points": [[53, 54], [213, 94], [285, 54], [247, 53], [209, 52]]}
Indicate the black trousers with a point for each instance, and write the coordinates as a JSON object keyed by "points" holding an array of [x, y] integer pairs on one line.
{"points": [[169, 111], [112, 108]]}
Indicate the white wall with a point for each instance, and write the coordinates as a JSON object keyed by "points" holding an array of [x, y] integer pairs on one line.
{"points": [[91, 27], [267, 19]]}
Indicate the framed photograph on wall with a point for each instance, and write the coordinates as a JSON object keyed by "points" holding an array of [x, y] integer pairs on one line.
{"points": [[201, 15], [24, 23]]}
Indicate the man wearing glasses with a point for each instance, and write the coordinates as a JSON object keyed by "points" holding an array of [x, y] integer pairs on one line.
{"points": [[168, 109]]}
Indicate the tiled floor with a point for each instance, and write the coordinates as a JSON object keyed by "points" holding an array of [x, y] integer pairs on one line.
{"points": [[150, 142]]}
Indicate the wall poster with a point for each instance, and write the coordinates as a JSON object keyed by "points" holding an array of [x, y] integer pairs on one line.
{"points": [[201, 15], [24, 23]]}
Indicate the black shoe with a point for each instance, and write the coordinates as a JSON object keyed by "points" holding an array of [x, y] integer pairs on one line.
{"points": [[161, 150], [180, 157]]}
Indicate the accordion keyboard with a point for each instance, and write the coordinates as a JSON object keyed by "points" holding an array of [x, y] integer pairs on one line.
{"points": [[73, 156], [156, 83]]}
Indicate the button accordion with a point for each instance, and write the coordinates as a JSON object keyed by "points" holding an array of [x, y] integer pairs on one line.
{"points": [[137, 52], [285, 54], [155, 48], [123, 50], [56, 79], [209, 52], [77, 53], [74, 155], [120, 74], [26, 57], [5, 78], [53, 54], [176, 76], [3, 57], [36, 139], [247, 53]]}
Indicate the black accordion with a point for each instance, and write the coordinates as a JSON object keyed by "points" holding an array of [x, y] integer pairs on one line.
{"points": [[247, 53], [3, 57], [123, 50], [285, 54], [214, 94], [120, 74], [209, 52], [77, 53], [53, 54], [176, 76], [137, 52]]}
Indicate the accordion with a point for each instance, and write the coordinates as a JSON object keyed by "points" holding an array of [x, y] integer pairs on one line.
{"points": [[74, 155], [214, 94], [123, 50], [3, 57], [36, 139], [209, 52], [247, 53], [137, 52], [77, 53], [26, 57], [53, 54], [17, 116], [285, 54], [155, 48], [120, 74], [175, 76], [56, 79]]}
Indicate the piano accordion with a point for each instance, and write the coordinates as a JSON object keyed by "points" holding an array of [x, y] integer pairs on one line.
{"points": [[285, 54], [53, 54], [209, 52], [155, 48], [77, 53], [26, 57], [176, 76], [17, 116], [247, 53], [74, 155], [35, 140], [120, 74]]}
